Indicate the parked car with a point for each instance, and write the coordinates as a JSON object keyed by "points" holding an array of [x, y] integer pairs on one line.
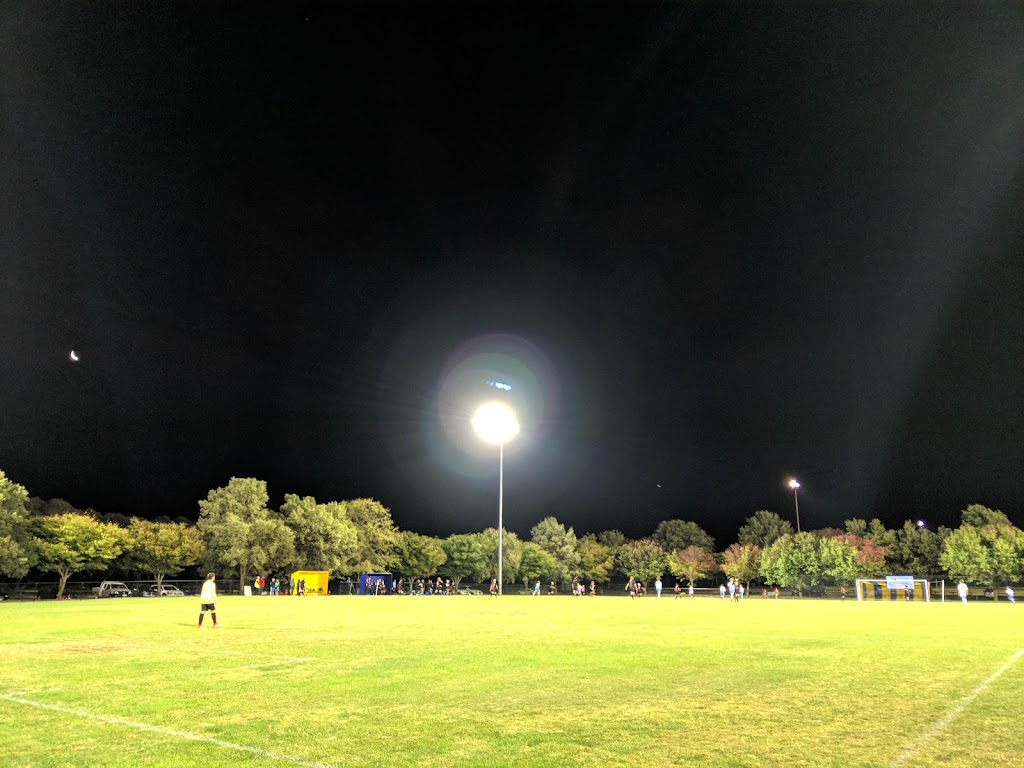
{"points": [[467, 591], [112, 589], [164, 590]]}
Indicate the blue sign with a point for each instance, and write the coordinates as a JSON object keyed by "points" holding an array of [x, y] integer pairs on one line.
{"points": [[899, 582]]}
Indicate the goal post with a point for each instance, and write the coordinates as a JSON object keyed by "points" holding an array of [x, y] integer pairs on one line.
{"points": [[894, 588]]}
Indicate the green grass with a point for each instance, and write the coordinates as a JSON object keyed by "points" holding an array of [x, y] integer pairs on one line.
{"points": [[476, 681]]}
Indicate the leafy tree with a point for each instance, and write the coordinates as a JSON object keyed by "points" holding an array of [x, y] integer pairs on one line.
{"points": [[240, 532], [762, 528], [1005, 547], [826, 533], [869, 556], [742, 562], [464, 554], [17, 547], [642, 560], [680, 534], [377, 535], [560, 543], [978, 516], [596, 559], [419, 556], [838, 560], [72, 542], [964, 556], [792, 561], [511, 555], [39, 507], [914, 550], [807, 559], [162, 548], [857, 527], [777, 563], [536, 563], [325, 539], [691, 563], [612, 539], [881, 535]]}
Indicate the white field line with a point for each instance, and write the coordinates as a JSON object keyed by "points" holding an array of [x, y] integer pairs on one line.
{"points": [[166, 732], [955, 711]]}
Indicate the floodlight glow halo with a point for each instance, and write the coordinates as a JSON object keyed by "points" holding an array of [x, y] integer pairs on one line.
{"points": [[495, 423], [794, 483]]}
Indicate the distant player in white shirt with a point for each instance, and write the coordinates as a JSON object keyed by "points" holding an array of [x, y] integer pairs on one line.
{"points": [[961, 589], [208, 600]]}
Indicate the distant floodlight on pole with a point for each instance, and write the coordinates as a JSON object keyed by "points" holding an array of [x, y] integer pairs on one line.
{"points": [[795, 485], [495, 423]]}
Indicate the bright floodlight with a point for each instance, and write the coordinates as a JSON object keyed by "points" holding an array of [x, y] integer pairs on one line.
{"points": [[794, 483], [920, 523], [495, 423]]}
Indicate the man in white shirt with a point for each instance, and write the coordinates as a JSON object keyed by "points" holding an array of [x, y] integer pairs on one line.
{"points": [[961, 589], [208, 600]]}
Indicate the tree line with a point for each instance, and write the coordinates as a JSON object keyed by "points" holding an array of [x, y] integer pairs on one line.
{"points": [[239, 533]]}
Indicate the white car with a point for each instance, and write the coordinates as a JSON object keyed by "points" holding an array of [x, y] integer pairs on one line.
{"points": [[166, 590], [467, 591]]}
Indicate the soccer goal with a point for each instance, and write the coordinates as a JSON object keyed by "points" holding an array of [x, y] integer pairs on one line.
{"points": [[894, 588]]}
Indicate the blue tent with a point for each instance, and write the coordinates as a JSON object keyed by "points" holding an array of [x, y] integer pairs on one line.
{"points": [[368, 581]]}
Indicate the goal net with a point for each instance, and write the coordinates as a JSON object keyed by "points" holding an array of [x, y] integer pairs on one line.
{"points": [[894, 588]]}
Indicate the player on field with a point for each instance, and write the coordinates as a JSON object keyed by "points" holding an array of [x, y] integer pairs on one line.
{"points": [[208, 600]]}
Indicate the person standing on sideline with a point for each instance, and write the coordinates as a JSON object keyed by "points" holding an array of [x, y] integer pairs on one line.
{"points": [[208, 600], [721, 591], [1009, 594], [631, 587], [677, 590], [961, 589], [494, 587], [732, 591], [690, 590], [657, 586], [536, 587]]}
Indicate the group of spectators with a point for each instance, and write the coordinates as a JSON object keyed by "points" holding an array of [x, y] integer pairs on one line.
{"points": [[261, 585], [423, 587]]}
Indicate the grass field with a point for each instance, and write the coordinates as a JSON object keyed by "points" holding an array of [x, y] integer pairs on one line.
{"points": [[546, 681]]}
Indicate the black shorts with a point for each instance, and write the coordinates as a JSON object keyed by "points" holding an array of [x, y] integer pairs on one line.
{"points": [[208, 607]]}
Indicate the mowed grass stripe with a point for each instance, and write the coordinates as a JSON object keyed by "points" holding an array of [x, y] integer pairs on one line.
{"points": [[517, 680]]}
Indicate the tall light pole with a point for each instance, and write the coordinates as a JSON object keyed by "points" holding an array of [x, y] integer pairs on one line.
{"points": [[795, 485], [495, 423]]}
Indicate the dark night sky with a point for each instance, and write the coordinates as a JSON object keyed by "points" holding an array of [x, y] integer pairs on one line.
{"points": [[709, 246]]}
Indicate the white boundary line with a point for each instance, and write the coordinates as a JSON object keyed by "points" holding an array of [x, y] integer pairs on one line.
{"points": [[165, 732], [955, 711]]}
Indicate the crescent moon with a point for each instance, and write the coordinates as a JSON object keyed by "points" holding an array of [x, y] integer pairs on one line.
{"points": [[73, 356]]}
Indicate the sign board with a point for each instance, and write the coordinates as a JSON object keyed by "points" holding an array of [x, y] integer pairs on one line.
{"points": [[899, 582]]}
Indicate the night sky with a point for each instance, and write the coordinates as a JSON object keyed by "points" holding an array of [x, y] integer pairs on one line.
{"points": [[710, 247]]}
